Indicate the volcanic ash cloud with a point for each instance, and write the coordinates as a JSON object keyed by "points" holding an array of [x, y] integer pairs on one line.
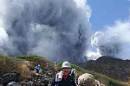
{"points": [[58, 29]]}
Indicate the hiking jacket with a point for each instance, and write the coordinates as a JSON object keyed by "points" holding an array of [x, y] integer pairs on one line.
{"points": [[69, 81]]}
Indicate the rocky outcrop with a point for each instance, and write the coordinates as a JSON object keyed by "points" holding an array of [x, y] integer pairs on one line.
{"points": [[88, 80], [24, 69]]}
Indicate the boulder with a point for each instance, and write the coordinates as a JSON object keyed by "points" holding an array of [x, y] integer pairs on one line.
{"points": [[88, 80]]}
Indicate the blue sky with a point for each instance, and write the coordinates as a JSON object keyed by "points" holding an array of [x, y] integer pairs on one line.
{"points": [[106, 12]]}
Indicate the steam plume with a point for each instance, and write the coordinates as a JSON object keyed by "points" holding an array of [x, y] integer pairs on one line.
{"points": [[114, 40], [52, 28]]}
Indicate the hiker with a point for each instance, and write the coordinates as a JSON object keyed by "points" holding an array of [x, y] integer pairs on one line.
{"points": [[46, 66], [66, 77], [38, 69]]}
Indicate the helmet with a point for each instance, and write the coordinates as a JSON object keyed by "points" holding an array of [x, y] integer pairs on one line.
{"points": [[66, 64]]}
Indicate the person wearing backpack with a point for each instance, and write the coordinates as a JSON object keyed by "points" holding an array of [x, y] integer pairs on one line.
{"points": [[38, 68], [65, 77]]}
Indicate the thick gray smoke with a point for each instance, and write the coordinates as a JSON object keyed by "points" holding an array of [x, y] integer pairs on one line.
{"points": [[114, 40], [58, 29]]}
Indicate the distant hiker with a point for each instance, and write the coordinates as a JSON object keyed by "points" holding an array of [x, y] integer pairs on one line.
{"points": [[46, 66], [66, 77], [38, 69]]}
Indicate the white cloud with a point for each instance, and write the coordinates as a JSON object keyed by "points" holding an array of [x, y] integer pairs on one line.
{"points": [[114, 40], [3, 36], [82, 4], [91, 55]]}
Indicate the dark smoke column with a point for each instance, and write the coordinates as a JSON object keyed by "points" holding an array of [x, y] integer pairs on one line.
{"points": [[58, 29]]}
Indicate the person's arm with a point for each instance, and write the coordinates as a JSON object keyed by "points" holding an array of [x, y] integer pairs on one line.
{"points": [[74, 75], [55, 81], [74, 82]]}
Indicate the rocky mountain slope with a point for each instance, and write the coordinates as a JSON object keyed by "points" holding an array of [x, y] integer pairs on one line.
{"points": [[24, 64], [112, 67]]}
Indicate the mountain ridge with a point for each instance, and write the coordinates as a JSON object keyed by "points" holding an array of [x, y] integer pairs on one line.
{"points": [[113, 67]]}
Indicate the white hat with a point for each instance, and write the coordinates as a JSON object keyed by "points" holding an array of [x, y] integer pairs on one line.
{"points": [[66, 64]]}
